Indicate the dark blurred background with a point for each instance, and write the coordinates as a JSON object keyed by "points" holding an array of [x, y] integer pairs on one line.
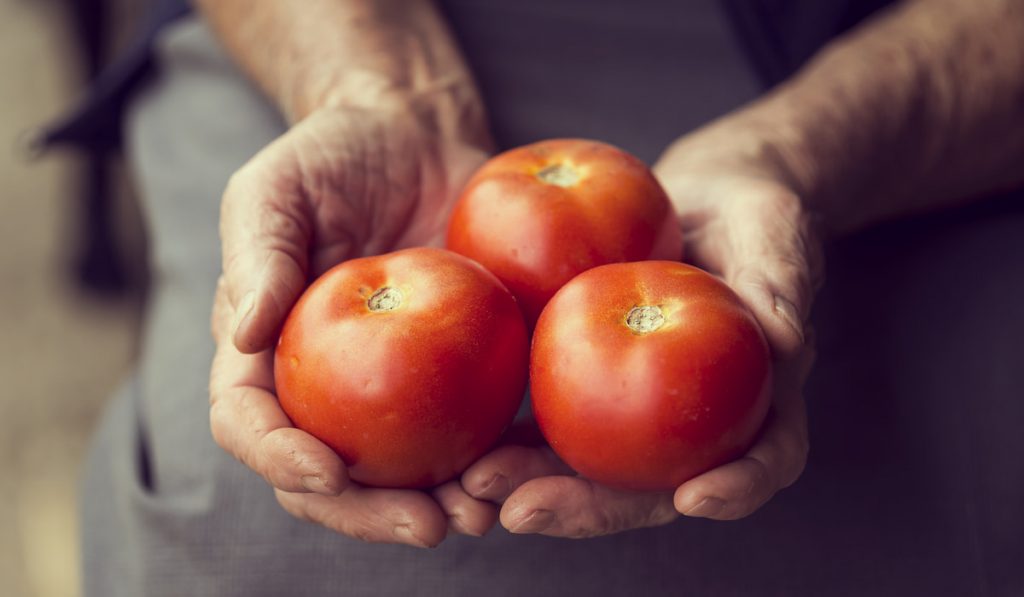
{"points": [[70, 284]]}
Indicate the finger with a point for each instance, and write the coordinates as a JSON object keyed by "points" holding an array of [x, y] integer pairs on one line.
{"points": [[249, 425], [495, 476], [374, 515], [576, 507], [466, 515], [775, 461], [265, 230], [247, 421]]}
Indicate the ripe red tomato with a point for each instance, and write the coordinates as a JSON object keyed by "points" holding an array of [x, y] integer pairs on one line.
{"points": [[409, 365], [539, 215], [644, 375]]}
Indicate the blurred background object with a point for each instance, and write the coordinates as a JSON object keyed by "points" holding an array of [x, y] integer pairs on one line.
{"points": [[71, 285]]}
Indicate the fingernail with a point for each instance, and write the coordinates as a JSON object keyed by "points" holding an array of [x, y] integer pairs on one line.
{"points": [[315, 484], [535, 522], [788, 313], [708, 507], [245, 308], [405, 535], [497, 488]]}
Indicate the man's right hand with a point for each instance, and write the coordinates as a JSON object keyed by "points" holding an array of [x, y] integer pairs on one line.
{"points": [[342, 183]]}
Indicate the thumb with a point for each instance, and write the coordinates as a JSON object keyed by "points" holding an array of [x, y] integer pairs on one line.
{"points": [[775, 266], [778, 303], [265, 243]]}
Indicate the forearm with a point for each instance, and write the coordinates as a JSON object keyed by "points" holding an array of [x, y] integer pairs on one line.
{"points": [[920, 108], [360, 53]]}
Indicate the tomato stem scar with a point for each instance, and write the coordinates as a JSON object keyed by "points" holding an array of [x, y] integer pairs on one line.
{"points": [[645, 319], [385, 299], [562, 175]]}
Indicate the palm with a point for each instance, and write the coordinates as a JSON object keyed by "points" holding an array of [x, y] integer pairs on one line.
{"points": [[368, 186], [729, 220]]}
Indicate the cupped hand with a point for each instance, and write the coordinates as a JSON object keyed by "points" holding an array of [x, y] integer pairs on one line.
{"points": [[744, 222], [339, 184]]}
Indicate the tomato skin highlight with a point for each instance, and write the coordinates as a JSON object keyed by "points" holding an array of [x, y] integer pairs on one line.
{"points": [[538, 215], [408, 396], [648, 411]]}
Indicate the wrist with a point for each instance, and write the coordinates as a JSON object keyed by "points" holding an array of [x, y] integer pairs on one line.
{"points": [[745, 163], [752, 144], [449, 107], [787, 151], [790, 138]]}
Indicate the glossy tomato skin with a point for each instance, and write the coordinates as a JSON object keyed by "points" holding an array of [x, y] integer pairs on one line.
{"points": [[648, 410], [538, 215], [412, 393]]}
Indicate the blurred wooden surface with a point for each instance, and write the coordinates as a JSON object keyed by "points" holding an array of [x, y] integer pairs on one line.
{"points": [[62, 353]]}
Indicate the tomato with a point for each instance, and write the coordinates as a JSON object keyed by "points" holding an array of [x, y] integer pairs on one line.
{"points": [[539, 215], [644, 375], [409, 365]]}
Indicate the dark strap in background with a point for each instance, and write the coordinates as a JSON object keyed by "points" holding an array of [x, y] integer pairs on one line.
{"points": [[94, 120], [779, 36]]}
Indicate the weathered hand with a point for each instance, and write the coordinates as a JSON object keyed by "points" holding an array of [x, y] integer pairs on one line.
{"points": [[742, 222], [340, 184]]}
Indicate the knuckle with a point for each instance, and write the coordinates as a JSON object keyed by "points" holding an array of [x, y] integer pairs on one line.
{"points": [[601, 522], [219, 314], [601, 519], [221, 290], [218, 423], [230, 263], [355, 523], [282, 455], [232, 195], [363, 530]]}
